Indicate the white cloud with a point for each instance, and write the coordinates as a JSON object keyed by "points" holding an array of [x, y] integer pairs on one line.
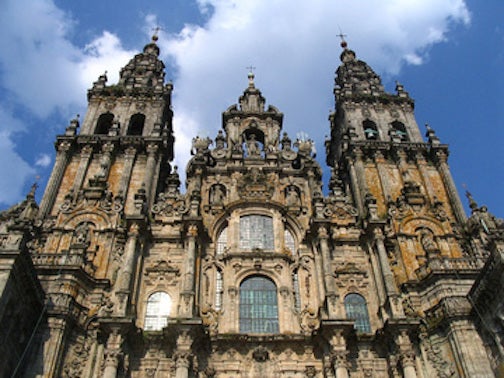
{"points": [[293, 46], [43, 72], [295, 50], [14, 171], [43, 160]]}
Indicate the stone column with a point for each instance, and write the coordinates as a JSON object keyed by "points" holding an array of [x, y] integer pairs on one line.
{"points": [[85, 156], [129, 158], [340, 365], [380, 165], [113, 354], [408, 365], [152, 150], [188, 283], [458, 209], [406, 353], [182, 355], [329, 284], [468, 348], [422, 167], [53, 347], [388, 276], [54, 182], [356, 188], [339, 354], [127, 269]]}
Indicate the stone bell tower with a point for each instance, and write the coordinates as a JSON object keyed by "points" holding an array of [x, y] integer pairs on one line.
{"points": [[93, 214], [412, 218]]}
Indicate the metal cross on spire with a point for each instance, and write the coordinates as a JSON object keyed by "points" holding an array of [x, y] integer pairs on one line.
{"points": [[156, 30], [251, 75], [342, 36]]}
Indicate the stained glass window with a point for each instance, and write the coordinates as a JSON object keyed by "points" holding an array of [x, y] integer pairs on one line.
{"points": [[356, 309], [258, 306], [256, 231], [158, 310]]}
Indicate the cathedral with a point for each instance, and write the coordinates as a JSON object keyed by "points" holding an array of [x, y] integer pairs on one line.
{"points": [[255, 269]]}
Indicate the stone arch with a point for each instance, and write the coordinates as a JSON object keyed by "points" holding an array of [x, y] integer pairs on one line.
{"points": [[400, 131], [136, 124], [370, 130], [104, 123]]}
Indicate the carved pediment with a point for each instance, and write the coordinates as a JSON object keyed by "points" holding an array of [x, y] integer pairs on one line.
{"points": [[162, 268], [255, 184]]}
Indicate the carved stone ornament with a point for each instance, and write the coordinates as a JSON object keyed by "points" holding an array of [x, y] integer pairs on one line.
{"points": [[260, 354], [255, 185], [76, 358], [170, 206]]}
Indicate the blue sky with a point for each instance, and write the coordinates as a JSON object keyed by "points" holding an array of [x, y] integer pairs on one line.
{"points": [[449, 55]]}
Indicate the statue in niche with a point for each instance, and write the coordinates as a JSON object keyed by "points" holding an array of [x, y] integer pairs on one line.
{"points": [[104, 165], [217, 194], [82, 234], [292, 197], [429, 245], [252, 146]]}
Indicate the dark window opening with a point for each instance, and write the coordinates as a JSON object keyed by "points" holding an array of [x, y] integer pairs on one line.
{"points": [[370, 130], [104, 124], [136, 124], [400, 131]]}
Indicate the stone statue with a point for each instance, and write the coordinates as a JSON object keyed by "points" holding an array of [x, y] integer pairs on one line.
{"points": [[252, 146], [217, 195]]}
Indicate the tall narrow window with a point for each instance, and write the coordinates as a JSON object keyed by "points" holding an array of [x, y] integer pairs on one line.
{"points": [[258, 306], [356, 309], [256, 231], [221, 242], [157, 312], [218, 290], [297, 294], [290, 245], [136, 124]]}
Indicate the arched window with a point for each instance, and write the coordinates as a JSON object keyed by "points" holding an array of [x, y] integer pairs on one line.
{"points": [[258, 306], [370, 130], [400, 131], [289, 242], [356, 309], [256, 231], [221, 242], [104, 124], [157, 312], [136, 124]]}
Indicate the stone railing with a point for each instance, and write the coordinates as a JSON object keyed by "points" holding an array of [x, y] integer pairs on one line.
{"points": [[449, 265], [53, 259]]}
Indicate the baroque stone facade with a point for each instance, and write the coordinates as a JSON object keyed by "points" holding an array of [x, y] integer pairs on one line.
{"points": [[253, 271]]}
